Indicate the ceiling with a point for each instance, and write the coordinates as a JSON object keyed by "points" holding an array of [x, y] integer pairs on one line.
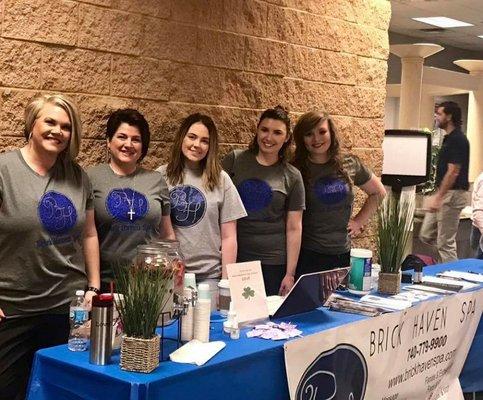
{"points": [[464, 10]]}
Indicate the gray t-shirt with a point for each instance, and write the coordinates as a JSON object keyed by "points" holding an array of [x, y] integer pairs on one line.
{"points": [[197, 214], [41, 226], [268, 193], [128, 212], [329, 206]]}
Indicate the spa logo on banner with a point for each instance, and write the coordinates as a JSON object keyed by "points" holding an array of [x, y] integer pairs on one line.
{"points": [[339, 373], [417, 353]]}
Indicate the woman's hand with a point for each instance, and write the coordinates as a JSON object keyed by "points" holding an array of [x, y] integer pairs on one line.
{"points": [[354, 228], [88, 299], [330, 283], [287, 283], [2, 315]]}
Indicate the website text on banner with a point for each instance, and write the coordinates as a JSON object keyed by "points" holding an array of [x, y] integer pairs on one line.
{"points": [[413, 354]]}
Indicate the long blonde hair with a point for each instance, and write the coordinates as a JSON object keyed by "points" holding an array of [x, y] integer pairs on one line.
{"points": [[210, 165], [37, 104]]}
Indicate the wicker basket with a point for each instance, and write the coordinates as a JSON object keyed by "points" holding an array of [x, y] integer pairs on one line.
{"points": [[139, 355], [389, 283]]}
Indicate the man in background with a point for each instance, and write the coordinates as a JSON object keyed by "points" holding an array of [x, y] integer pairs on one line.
{"points": [[441, 221]]}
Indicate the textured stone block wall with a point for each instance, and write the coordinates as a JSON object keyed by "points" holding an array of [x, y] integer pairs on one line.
{"points": [[227, 58]]}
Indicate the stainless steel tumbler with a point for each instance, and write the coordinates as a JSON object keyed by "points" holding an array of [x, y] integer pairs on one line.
{"points": [[101, 329]]}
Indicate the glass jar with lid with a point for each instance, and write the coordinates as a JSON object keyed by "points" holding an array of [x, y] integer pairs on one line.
{"points": [[151, 256], [173, 250]]}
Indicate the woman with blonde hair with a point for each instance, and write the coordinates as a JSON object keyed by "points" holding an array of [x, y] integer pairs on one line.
{"points": [[273, 194], [48, 241], [329, 178], [205, 205]]}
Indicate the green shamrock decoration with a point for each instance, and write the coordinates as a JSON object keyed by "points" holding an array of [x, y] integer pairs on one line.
{"points": [[248, 292]]}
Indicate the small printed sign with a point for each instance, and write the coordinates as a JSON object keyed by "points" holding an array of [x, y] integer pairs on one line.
{"points": [[247, 291]]}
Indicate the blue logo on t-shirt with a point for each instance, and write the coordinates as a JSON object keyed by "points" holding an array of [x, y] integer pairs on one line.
{"points": [[126, 205], [57, 213], [188, 205], [336, 374], [330, 190], [255, 194]]}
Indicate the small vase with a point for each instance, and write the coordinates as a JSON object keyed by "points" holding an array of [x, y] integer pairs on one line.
{"points": [[140, 355], [389, 283]]}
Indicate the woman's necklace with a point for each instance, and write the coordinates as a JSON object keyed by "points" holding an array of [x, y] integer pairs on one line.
{"points": [[130, 202], [131, 211]]}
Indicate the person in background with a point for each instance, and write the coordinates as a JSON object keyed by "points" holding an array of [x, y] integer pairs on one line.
{"points": [[131, 202], [205, 205], [273, 193], [441, 221], [476, 238], [329, 179], [48, 240]]}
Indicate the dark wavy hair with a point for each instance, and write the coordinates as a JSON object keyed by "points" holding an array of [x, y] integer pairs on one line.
{"points": [[305, 126], [210, 165], [453, 109], [280, 114], [131, 117]]}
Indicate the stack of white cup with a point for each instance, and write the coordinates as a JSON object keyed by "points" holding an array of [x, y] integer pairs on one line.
{"points": [[187, 321], [202, 314]]}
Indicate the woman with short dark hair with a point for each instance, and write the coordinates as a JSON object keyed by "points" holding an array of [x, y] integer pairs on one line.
{"points": [[131, 202]]}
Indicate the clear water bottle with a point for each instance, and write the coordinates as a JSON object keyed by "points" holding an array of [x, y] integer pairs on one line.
{"points": [[78, 314]]}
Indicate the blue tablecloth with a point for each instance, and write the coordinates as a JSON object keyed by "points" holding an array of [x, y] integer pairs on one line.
{"points": [[246, 368]]}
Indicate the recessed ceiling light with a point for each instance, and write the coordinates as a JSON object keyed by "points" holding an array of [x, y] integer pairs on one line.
{"points": [[443, 22]]}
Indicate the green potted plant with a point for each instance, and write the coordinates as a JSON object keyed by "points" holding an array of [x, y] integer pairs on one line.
{"points": [[394, 219], [145, 291]]}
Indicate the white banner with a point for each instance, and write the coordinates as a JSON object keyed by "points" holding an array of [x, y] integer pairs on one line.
{"points": [[416, 354]]}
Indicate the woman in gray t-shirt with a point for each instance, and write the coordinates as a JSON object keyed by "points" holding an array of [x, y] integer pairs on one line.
{"points": [[273, 194], [48, 240], [131, 202], [205, 205], [329, 178]]}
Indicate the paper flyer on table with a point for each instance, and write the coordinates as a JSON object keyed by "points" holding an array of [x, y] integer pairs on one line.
{"points": [[247, 291]]}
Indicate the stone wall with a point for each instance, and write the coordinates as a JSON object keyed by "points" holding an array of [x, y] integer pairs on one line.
{"points": [[228, 58]]}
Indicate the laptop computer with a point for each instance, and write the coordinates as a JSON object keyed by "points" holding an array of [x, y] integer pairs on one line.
{"points": [[310, 291]]}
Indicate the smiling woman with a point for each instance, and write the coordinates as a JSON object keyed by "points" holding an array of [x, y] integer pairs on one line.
{"points": [[45, 222], [131, 203], [273, 194], [329, 178], [205, 205]]}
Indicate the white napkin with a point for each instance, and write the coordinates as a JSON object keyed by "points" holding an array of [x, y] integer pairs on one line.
{"points": [[196, 352]]}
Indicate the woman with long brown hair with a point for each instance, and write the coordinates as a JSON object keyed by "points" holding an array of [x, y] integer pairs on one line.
{"points": [[273, 194], [205, 204], [329, 178]]}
